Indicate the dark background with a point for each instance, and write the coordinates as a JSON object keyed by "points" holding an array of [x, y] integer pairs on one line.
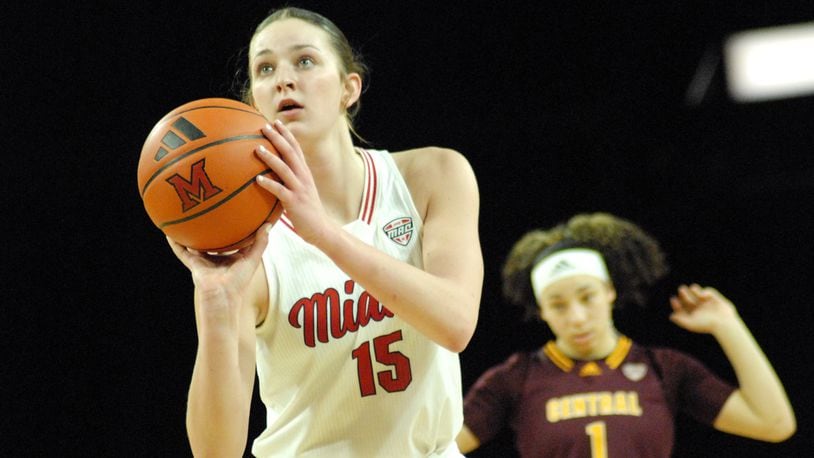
{"points": [[559, 108]]}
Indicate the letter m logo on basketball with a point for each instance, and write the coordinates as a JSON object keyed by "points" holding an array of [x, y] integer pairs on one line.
{"points": [[195, 190], [400, 230]]}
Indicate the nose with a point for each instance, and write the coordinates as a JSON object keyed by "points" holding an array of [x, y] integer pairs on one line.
{"points": [[285, 84], [285, 81], [577, 313]]}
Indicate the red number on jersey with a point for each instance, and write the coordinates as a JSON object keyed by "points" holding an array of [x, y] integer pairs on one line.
{"points": [[392, 380]]}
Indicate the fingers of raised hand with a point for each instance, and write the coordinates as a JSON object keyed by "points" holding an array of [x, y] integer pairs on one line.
{"points": [[288, 136], [280, 168], [676, 305], [688, 295], [286, 145]]}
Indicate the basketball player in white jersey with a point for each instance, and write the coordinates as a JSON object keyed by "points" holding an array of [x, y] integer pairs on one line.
{"points": [[353, 308]]}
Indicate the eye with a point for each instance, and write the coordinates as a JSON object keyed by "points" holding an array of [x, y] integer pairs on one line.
{"points": [[305, 62], [265, 69], [557, 306]]}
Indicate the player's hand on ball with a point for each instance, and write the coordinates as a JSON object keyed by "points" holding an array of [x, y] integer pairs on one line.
{"points": [[222, 276], [196, 173], [297, 190]]}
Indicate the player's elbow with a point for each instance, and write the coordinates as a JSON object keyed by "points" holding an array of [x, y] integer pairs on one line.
{"points": [[460, 333], [207, 439], [778, 428], [214, 450], [781, 429], [458, 343]]}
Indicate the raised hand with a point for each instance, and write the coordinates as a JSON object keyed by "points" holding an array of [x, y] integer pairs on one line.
{"points": [[700, 309], [297, 190]]}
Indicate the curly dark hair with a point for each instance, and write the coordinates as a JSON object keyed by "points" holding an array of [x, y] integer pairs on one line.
{"points": [[634, 258]]}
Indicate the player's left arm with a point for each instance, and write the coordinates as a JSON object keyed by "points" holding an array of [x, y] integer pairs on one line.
{"points": [[440, 300], [759, 408], [445, 191]]}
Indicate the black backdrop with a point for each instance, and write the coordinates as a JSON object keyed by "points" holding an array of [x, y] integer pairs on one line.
{"points": [[560, 109]]}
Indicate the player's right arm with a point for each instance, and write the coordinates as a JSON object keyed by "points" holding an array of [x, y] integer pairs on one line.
{"points": [[228, 294], [759, 408]]}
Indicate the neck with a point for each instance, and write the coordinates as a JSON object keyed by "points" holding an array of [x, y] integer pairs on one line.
{"points": [[338, 173], [604, 346]]}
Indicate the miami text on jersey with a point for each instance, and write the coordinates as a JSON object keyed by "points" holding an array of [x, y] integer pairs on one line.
{"points": [[326, 315]]}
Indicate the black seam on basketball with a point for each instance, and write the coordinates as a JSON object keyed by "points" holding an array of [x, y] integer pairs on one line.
{"points": [[226, 199], [194, 151], [250, 233]]}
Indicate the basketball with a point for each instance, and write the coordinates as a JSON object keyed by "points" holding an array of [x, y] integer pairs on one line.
{"points": [[196, 175]]}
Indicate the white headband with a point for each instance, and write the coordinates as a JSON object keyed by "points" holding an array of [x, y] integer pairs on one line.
{"points": [[567, 263]]}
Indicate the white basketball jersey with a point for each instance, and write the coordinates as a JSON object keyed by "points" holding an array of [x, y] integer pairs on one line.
{"points": [[340, 375]]}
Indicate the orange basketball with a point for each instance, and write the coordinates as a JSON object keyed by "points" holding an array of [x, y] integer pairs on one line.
{"points": [[196, 175]]}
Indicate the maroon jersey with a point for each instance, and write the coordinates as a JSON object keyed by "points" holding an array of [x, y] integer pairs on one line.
{"points": [[621, 406]]}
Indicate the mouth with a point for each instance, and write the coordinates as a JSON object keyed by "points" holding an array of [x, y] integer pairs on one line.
{"points": [[287, 105], [582, 338]]}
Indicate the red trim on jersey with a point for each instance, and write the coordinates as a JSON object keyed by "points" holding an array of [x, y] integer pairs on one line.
{"points": [[369, 192], [287, 222], [371, 183]]}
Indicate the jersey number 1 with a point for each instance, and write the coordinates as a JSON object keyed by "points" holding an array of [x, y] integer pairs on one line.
{"points": [[396, 379], [599, 439]]}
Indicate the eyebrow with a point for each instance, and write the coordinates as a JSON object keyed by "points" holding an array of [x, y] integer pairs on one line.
{"points": [[296, 47], [581, 289]]}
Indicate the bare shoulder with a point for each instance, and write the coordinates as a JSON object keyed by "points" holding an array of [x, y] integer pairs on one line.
{"points": [[429, 159], [430, 169]]}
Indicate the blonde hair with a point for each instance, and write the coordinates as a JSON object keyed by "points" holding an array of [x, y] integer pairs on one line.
{"points": [[350, 60]]}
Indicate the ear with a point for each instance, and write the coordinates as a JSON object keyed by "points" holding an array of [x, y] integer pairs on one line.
{"points": [[541, 313], [352, 90], [611, 292]]}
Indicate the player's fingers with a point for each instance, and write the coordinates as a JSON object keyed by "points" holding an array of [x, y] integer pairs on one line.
{"points": [[287, 150], [676, 305], [275, 187], [261, 239], [686, 295], [180, 251], [705, 293], [711, 291], [283, 130], [278, 166]]}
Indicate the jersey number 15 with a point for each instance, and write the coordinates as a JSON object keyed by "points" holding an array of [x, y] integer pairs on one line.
{"points": [[397, 378]]}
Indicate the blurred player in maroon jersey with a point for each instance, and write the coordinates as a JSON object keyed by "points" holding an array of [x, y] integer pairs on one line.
{"points": [[592, 392]]}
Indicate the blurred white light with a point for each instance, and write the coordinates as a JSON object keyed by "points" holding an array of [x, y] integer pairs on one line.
{"points": [[770, 63]]}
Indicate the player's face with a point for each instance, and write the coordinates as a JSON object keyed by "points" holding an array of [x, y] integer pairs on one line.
{"points": [[296, 78], [578, 311]]}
